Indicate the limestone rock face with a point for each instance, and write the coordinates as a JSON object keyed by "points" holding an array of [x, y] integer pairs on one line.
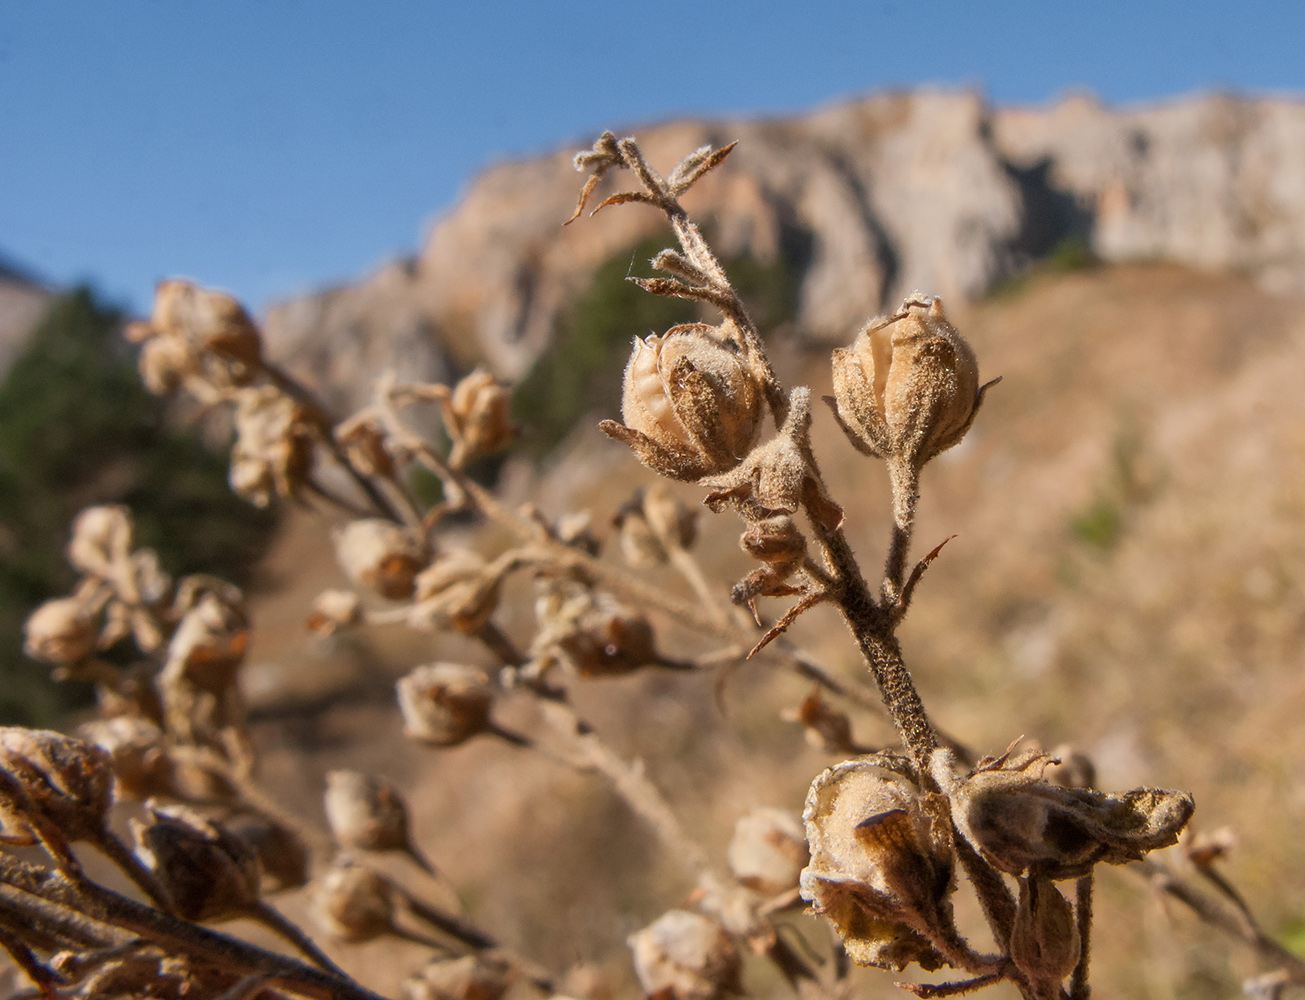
{"points": [[869, 200], [22, 304]]}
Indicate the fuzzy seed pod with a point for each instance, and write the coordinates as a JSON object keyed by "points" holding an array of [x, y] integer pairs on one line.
{"points": [[471, 977], [881, 863], [59, 631], [1020, 822], [209, 642], [352, 903], [768, 851], [445, 704], [685, 956], [207, 873], [210, 320], [610, 641], [458, 591], [825, 727], [692, 407], [60, 781], [639, 546], [1044, 942], [908, 387], [380, 556], [480, 412], [365, 812], [364, 442]]}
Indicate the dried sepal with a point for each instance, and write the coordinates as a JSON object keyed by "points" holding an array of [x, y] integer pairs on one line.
{"points": [[692, 405], [768, 850], [881, 864], [458, 591], [477, 415], [445, 704], [686, 956], [1022, 823], [908, 387]]}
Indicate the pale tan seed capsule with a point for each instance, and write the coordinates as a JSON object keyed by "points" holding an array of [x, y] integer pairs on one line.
{"points": [[768, 850], [273, 452], [908, 387], [59, 631], [445, 704], [691, 406], [136, 752], [352, 903], [208, 318], [685, 956], [380, 556]]}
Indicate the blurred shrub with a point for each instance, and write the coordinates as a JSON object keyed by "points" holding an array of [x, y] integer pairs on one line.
{"points": [[77, 428]]}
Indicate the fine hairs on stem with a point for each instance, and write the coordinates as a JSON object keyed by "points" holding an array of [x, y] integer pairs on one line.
{"points": [[876, 859]]}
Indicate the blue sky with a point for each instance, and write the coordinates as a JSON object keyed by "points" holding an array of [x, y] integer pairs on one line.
{"points": [[269, 146]]}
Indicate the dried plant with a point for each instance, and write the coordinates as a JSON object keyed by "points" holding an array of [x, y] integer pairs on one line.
{"points": [[885, 836]]}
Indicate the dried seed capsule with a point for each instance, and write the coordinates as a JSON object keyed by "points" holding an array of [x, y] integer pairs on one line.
{"points": [[881, 863], [768, 850], [445, 703], [58, 780], [207, 873], [471, 977], [273, 452], [365, 812], [908, 387], [673, 522], [364, 441], [458, 591], [1019, 822], [609, 641], [352, 903], [480, 411], [380, 556], [164, 364], [208, 319], [1044, 941], [692, 407], [59, 631], [685, 956]]}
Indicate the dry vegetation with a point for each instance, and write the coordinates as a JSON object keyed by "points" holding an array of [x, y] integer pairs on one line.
{"points": [[1129, 517]]}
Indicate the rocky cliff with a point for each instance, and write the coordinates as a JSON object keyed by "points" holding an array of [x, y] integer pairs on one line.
{"points": [[867, 200]]}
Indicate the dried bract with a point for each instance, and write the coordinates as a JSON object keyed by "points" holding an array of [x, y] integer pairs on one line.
{"points": [[908, 387], [101, 538], [445, 704], [1021, 823], [686, 956], [881, 864], [380, 556], [768, 850], [692, 406]]}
